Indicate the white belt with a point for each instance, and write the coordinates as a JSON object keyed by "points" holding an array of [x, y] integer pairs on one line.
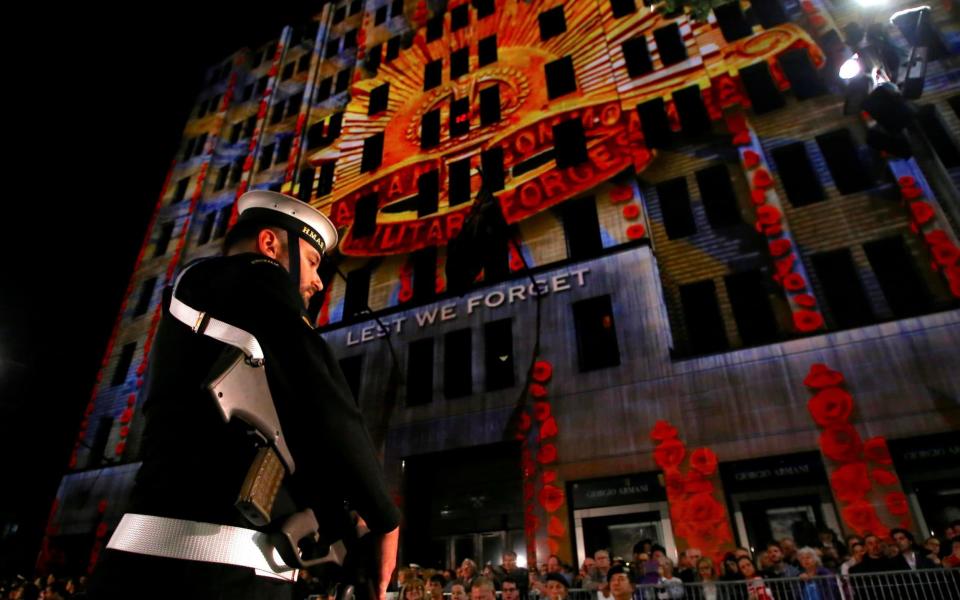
{"points": [[204, 542], [199, 322]]}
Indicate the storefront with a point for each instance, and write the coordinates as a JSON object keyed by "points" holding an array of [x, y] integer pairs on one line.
{"points": [[929, 467]]}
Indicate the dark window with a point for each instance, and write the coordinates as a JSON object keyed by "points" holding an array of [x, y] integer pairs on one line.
{"points": [[181, 190], [797, 174], [235, 132], [303, 63], [655, 123], [352, 368], [163, 240], [498, 354], [323, 88], [496, 262], [378, 99], [350, 39], [201, 144], [842, 158], [491, 161], [460, 62], [262, 84], [396, 8], [424, 273], [333, 47], [770, 13], [336, 124], [428, 193], [763, 92], [432, 74], [223, 222], [420, 372], [288, 71], [581, 228], [751, 307], [905, 291], [733, 25], [202, 109], [365, 218], [307, 175], [293, 104], [380, 16], [460, 17], [372, 152], [459, 191], [100, 440], [222, 176], [356, 6], [932, 125], [146, 295], [373, 57], [670, 44], [343, 81], [561, 78], [278, 111], [487, 50], [597, 346], [266, 157], [570, 143], [954, 102], [802, 75], [490, 105], [283, 148], [459, 117], [247, 93], [325, 183], [206, 230], [485, 8], [123, 364], [842, 288], [250, 126], [355, 295], [637, 55], [188, 148], [430, 129], [339, 15], [215, 104], [257, 60], [393, 48], [701, 313], [458, 363], [552, 23], [622, 8], [236, 174], [435, 28], [675, 206], [719, 199], [694, 119]]}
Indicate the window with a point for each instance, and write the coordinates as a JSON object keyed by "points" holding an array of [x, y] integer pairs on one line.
{"points": [[552, 23], [393, 48], [323, 89], [843, 161], [804, 80], [797, 174], [733, 25], [350, 39], [701, 314], [432, 74], [428, 193], [202, 109], [459, 191], [236, 174], [304, 63], [905, 291], [181, 190], [570, 143], [430, 129], [622, 8], [694, 119], [356, 6], [365, 217], [459, 17], [288, 71], [487, 50], [222, 176], [247, 93], [770, 13], [396, 8], [458, 363], [597, 346], [485, 8], [425, 273], [146, 295], [670, 44], [378, 99], [235, 132], [655, 124], [257, 60], [420, 372], [675, 207], [459, 117], [188, 148], [352, 368], [763, 92], [333, 47], [223, 222], [325, 183], [201, 144], [752, 313], [373, 57], [215, 104], [933, 128], [102, 436], [278, 111], [293, 104], [123, 364], [355, 295], [637, 56], [581, 228], [283, 148], [719, 199], [307, 176], [491, 161], [262, 84], [372, 152], [250, 126], [339, 15], [266, 157], [842, 288], [435, 28], [206, 230], [460, 62], [343, 81], [498, 354], [561, 79], [380, 16], [490, 105], [336, 124]]}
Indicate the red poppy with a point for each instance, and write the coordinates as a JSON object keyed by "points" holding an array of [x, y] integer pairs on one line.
{"points": [[794, 282], [525, 422], [547, 454], [631, 212], [528, 492], [817, 21], [762, 179], [922, 212], [702, 508], [635, 232], [669, 454], [126, 415], [696, 483], [780, 247], [102, 530], [551, 498], [124, 431], [772, 230], [883, 477], [841, 443], [662, 430], [821, 376], [750, 159], [937, 236], [541, 411], [906, 181], [102, 506], [945, 255], [741, 138], [676, 484], [621, 194], [119, 448], [131, 399], [897, 503], [548, 429], [555, 527], [758, 197], [807, 320], [542, 371], [530, 521], [405, 295], [911, 193], [548, 476], [553, 546], [875, 449], [805, 300], [861, 516], [768, 214], [704, 460], [538, 391], [850, 482], [830, 406]]}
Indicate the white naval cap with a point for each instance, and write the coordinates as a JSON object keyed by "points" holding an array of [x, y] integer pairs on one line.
{"points": [[274, 208]]}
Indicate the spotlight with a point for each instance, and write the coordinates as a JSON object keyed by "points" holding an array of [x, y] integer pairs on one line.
{"points": [[850, 68]]}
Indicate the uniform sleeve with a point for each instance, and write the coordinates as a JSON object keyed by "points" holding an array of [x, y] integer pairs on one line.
{"points": [[325, 430]]}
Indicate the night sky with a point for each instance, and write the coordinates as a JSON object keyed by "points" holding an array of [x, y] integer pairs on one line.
{"points": [[95, 103]]}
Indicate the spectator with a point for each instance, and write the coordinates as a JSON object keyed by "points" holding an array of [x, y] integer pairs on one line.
{"points": [[789, 548], [597, 577], [953, 560], [651, 568], [468, 572], [413, 589], [556, 587], [686, 567], [951, 532], [588, 563], [818, 585], [776, 565], [457, 591], [912, 554], [669, 586], [756, 588], [509, 568], [730, 570], [621, 587], [874, 560], [482, 589], [741, 552], [856, 555], [435, 587], [932, 550], [707, 578], [510, 588], [487, 572], [555, 565]]}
